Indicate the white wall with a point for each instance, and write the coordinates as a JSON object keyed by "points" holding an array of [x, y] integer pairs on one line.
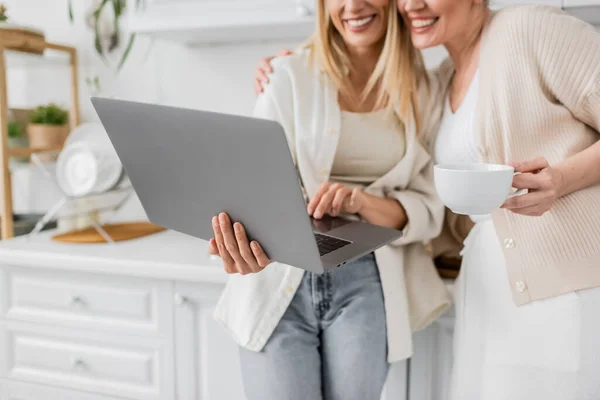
{"points": [[216, 78]]}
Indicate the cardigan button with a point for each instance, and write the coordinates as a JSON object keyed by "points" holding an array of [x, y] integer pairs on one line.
{"points": [[520, 285], [509, 243], [331, 132], [324, 172], [289, 289]]}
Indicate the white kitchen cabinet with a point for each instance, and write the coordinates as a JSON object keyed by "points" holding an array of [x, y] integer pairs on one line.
{"points": [[134, 321], [10, 390], [114, 365], [206, 357], [195, 22], [87, 301]]}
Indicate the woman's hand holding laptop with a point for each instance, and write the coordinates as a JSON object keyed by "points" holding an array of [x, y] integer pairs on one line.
{"points": [[231, 244], [240, 256]]}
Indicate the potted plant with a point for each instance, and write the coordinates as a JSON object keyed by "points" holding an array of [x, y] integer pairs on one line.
{"points": [[17, 139], [48, 128], [3, 16]]}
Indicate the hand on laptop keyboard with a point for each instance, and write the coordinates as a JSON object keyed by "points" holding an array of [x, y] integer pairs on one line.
{"points": [[231, 244], [335, 198]]}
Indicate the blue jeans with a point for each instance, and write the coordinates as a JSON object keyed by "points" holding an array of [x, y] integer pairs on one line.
{"points": [[330, 344]]}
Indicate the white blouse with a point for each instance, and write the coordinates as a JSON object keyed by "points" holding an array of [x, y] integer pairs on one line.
{"points": [[455, 143], [305, 102]]}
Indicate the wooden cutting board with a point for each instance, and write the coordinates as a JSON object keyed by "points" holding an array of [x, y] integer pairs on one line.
{"points": [[117, 232]]}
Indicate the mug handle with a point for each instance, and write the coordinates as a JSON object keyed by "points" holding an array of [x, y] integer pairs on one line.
{"points": [[518, 192]]}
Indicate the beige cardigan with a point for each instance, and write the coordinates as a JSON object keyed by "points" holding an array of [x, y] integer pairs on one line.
{"points": [[539, 95]]}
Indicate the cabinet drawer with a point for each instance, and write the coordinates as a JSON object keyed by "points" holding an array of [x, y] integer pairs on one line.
{"points": [[85, 300], [12, 390], [119, 366]]}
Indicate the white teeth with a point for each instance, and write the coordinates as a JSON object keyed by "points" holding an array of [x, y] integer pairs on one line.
{"points": [[360, 22], [421, 23]]}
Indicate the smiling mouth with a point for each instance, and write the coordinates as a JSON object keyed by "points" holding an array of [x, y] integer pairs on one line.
{"points": [[357, 24], [423, 24]]}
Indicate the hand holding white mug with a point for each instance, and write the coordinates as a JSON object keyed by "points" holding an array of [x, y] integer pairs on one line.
{"points": [[231, 244], [544, 185]]}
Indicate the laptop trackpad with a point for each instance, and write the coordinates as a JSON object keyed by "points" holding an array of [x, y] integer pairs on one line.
{"points": [[328, 223]]}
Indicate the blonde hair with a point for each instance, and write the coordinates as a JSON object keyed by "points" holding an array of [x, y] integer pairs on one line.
{"points": [[397, 74]]}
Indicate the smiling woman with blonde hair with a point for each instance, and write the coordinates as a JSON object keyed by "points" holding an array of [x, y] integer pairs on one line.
{"points": [[349, 102]]}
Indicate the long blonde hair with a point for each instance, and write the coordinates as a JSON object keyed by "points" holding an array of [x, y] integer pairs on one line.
{"points": [[397, 74]]}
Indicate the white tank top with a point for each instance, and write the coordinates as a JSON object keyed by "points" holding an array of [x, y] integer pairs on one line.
{"points": [[370, 145]]}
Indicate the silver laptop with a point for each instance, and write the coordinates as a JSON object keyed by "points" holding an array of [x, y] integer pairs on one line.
{"points": [[187, 166]]}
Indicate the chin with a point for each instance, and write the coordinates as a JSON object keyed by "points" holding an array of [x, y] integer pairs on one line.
{"points": [[363, 41], [423, 43]]}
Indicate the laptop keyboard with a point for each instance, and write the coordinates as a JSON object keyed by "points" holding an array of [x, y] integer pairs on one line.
{"points": [[327, 244]]}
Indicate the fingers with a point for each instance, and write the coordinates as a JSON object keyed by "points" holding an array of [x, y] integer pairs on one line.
{"points": [[261, 75], [354, 202], [212, 247], [284, 53], [534, 211], [228, 262], [244, 247], [526, 181], [530, 165], [312, 205], [525, 201], [341, 197], [259, 254], [264, 69], [324, 205], [265, 65], [257, 87], [231, 243]]}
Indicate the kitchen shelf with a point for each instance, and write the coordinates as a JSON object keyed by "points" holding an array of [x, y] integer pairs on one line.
{"points": [[33, 47], [17, 59], [222, 22]]}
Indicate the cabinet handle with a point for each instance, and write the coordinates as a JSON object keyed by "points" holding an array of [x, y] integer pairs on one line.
{"points": [[180, 300], [77, 363]]}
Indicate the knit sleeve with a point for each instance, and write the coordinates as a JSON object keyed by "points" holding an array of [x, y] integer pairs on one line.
{"points": [[567, 54]]}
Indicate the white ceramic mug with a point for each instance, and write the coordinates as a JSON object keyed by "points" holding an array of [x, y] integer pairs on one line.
{"points": [[474, 189]]}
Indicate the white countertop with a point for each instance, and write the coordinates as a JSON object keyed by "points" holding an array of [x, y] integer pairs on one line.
{"points": [[164, 255]]}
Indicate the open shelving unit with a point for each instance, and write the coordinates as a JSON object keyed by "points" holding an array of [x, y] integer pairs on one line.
{"points": [[30, 45]]}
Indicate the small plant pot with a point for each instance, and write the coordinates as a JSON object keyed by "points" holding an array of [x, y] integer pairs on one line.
{"points": [[18, 142], [46, 137]]}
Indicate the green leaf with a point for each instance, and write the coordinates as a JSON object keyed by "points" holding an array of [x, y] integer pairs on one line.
{"points": [[71, 11], [118, 7], [50, 114], [127, 51], [97, 40]]}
